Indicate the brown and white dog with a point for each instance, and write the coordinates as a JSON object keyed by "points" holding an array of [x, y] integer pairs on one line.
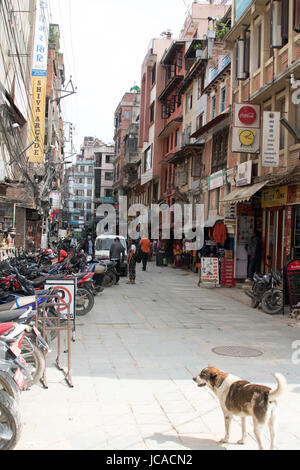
{"points": [[238, 397]]}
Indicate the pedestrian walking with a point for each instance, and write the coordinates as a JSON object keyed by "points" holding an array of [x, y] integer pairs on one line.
{"points": [[117, 254], [132, 262], [88, 245], [145, 247]]}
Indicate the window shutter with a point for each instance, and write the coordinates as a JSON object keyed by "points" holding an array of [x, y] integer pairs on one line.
{"points": [[276, 27], [284, 21], [297, 15]]}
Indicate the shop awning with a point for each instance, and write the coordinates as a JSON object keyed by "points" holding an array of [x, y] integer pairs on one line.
{"points": [[243, 194], [213, 220]]}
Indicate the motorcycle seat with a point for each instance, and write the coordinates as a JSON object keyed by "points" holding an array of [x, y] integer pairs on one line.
{"points": [[11, 315]]}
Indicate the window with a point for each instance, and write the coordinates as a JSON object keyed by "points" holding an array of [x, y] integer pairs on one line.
{"points": [[148, 159], [199, 121], [296, 15], [219, 150], [197, 165], [82, 169], [213, 106], [223, 98], [127, 115], [152, 108], [279, 23], [153, 75], [177, 137], [89, 193], [108, 176], [108, 192], [200, 84], [257, 46], [109, 159], [189, 102]]}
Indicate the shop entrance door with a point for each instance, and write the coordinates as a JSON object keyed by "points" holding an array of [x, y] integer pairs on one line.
{"points": [[245, 227], [275, 236]]}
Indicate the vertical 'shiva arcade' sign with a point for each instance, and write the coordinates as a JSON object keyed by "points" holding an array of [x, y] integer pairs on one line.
{"points": [[39, 83]]}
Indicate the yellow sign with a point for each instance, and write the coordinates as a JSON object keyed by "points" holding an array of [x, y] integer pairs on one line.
{"points": [[275, 196], [37, 131], [247, 136]]}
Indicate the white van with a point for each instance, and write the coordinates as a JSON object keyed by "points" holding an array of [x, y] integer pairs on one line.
{"points": [[102, 248]]}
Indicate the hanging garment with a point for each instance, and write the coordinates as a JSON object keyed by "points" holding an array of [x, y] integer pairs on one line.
{"points": [[220, 233]]}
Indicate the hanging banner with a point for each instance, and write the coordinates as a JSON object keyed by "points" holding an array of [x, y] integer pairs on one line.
{"points": [[271, 139], [39, 83]]}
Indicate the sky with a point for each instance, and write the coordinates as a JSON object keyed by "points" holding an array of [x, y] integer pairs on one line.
{"points": [[104, 43]]}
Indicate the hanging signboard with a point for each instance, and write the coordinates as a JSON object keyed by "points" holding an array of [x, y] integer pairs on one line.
{"points": [[244, 173], [216, 180], [247, 115], [66, 291], [210, 270], [246, 128], [271, 139], [292, 282]]}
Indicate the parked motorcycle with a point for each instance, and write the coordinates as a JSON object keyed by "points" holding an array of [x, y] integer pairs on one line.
{"points": [[31, 349], [265, 291], [10, 422]]}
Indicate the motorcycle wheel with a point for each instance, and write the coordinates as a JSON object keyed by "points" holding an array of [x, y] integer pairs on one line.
{"points": [[272, 302], [10, 422], [35, 359], [109, 280], [8, 385], [84, 302]]}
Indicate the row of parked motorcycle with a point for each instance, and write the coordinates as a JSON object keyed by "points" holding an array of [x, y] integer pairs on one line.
{"points": [[24, 340], [267, 292]]}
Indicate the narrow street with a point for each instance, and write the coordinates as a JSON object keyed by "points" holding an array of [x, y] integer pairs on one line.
{"points": [[132, 366]]}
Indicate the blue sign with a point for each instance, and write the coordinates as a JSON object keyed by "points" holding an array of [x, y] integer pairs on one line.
{"points": [[240, 7]]}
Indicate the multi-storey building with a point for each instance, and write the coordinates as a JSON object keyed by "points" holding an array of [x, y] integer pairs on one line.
{"points": [[151, 121], [80, 193], [19, 219], [265, 47], [126, 114], [89, 183]]}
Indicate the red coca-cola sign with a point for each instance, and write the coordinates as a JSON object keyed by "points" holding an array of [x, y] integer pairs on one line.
{"points": [[247, 115]]}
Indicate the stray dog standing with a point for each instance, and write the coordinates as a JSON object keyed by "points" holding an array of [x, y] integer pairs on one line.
{"points": [[241, 398]]}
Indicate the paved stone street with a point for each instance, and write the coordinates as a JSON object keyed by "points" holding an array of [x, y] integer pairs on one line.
{"points": [[132, 367]]}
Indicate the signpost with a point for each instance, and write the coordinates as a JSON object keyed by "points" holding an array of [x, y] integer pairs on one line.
{"points": [[210, 271], [65, 289], [292, 284]]}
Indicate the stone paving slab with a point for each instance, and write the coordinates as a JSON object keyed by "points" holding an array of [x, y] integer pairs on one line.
{"points": [[132, 366]]}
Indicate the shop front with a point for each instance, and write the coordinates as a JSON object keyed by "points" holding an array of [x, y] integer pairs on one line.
{"points": [[243, 216], [280, 216]]}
